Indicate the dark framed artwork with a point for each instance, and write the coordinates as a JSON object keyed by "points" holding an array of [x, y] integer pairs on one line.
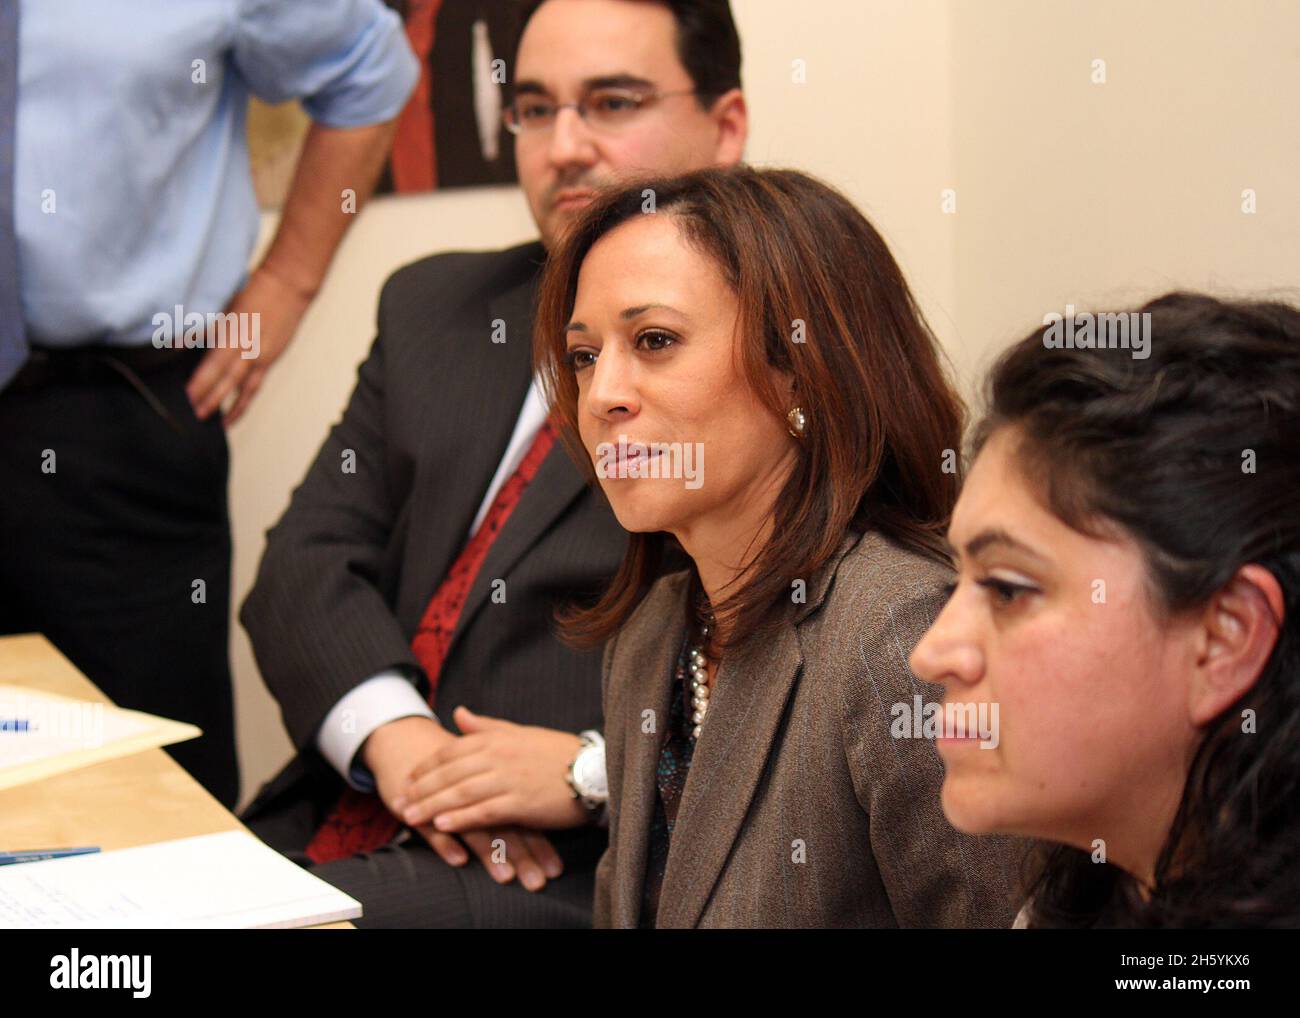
{"points": [[450, 134]]}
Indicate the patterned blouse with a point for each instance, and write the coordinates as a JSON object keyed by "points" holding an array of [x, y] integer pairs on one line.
{"points": [[670, 777]]}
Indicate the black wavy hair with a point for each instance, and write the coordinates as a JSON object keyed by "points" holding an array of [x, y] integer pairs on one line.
{"points": [[1194, 452]]}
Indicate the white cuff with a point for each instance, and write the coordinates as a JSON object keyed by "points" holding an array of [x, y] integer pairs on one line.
{"points": [[380, 699]]}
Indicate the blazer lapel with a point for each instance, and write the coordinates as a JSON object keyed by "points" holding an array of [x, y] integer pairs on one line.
{"points": [[753, 686], [729, 758], [652, 650]]}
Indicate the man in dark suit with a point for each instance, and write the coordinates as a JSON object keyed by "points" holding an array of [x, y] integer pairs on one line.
{"points": [[417, 569]]}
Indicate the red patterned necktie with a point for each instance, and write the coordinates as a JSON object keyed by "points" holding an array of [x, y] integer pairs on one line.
{"points": [[360, 822]]}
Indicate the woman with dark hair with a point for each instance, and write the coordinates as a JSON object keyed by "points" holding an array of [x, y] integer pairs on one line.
{"points": [[758, 318], [1128, 554]]}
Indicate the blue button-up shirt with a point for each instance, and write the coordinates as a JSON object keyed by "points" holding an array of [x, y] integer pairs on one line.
{"points": [[132, 190]]}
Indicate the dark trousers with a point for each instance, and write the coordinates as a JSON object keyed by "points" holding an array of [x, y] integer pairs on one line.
{"points": [[117, 546], [405, 884]]}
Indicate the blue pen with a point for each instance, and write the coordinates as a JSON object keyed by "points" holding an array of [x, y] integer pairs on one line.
{"points": [[39, 854], [14, 724]]}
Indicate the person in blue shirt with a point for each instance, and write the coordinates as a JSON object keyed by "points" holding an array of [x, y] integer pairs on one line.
{"points": [[129, 316]]}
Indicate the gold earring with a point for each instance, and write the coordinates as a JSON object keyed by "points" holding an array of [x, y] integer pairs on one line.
{"points": [[797, 422]]}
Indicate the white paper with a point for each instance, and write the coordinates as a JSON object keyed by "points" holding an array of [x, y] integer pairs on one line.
{"points": [[63, 734], [58, 725], [229, 880]]}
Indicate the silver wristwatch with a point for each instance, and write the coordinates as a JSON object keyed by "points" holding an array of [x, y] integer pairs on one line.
{"points": [[586, 775]]}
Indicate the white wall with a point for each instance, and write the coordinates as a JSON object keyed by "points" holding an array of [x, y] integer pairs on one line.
{"points": [[1066, 191], [1070, 191]]}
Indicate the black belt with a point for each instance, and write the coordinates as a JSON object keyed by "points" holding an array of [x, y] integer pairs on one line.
{"points": [[48, 365]]}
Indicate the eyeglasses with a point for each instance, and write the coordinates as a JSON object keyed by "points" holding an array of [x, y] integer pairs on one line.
{"points": [[605, 109]]}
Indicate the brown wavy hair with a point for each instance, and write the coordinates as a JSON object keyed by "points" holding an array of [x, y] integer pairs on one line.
{"points": [[884, 425]]}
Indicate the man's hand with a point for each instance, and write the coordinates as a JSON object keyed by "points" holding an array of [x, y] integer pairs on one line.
{"points": [[391, 752], [280, 307], [496, 773], [505, 852]]}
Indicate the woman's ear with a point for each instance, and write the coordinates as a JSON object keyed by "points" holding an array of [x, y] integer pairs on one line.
{"points": [[786, 379], [1240, 629], [783, 385]]}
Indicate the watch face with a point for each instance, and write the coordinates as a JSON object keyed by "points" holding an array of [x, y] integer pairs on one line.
{"points": [[589, 775]]}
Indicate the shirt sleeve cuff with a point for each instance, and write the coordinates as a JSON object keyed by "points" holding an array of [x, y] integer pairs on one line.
{"points": [[380, 80], [382, 698]]}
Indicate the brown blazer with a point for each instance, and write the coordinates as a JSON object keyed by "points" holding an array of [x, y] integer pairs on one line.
{"points": [[800, 809]]}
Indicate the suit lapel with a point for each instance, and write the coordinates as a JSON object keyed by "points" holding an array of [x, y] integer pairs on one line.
{"points": [[652, 651], [486, 396], [745, 715], [729, 758], [553, 488]]}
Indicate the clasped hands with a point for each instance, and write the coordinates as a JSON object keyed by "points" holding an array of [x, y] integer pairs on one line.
{"points": [[491, 790]]}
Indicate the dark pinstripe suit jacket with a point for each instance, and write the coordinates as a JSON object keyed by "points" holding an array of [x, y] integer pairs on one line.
{"points": [[800, 809], [352, 564]]}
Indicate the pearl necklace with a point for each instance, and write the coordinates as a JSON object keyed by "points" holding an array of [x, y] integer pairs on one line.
{"points": [[697, 666]]}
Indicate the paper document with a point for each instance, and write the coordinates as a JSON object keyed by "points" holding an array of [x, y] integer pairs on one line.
{"points": [[42, 734], [215, 881]]}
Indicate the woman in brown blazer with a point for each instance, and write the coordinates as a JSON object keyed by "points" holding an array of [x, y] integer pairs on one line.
{"points": [[764, 764]]}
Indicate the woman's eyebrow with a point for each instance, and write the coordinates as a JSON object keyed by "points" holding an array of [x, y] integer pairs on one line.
{"points": [[996, 537], [627, 314]]}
